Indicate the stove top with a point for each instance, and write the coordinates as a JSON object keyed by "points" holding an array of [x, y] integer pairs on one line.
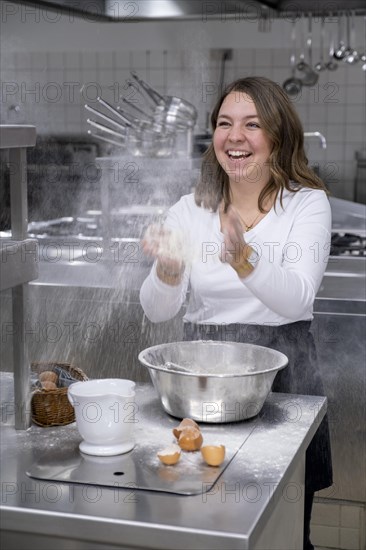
{"points": [[125, 222], [348, 244], [132, 223]]}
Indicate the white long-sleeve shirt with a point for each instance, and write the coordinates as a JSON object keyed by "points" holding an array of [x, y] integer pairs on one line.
{"points": [[292, 243]]}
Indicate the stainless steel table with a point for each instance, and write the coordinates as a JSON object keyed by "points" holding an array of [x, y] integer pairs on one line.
{"points": [[256, 503]]}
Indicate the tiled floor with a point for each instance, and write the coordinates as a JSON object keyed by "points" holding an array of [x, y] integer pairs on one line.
{"points": [[338, 525]]}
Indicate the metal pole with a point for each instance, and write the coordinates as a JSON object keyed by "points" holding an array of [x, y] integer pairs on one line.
{"points": [[19, 225]]}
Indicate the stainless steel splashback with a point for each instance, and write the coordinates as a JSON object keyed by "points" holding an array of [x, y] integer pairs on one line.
{"points": [[348, 216]]}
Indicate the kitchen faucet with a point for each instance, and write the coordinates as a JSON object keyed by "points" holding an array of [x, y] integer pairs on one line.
{"points": [[323, 142]]}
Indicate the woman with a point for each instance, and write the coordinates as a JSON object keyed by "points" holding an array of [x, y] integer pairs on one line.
{"points": [[252, 244]]}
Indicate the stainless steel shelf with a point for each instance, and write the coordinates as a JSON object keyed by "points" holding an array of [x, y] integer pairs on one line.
{"points": [[16, 135], [19, 262]]}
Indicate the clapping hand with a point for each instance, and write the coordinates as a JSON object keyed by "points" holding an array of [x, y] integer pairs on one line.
{"points": [[235, 250], [165, 246]]}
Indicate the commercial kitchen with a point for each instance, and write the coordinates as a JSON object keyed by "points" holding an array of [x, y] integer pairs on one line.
{"points": [[84, 170]]}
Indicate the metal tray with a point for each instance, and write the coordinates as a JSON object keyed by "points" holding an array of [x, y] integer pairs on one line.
{"points": [[141, 468]]}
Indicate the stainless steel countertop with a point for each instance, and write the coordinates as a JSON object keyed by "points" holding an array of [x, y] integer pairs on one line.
{"points": [[229, 515]]}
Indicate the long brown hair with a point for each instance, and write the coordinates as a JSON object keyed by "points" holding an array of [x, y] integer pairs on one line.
{"points": [[287, 161]]}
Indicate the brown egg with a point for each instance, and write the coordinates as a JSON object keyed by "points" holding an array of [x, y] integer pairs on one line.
{"points": [[48, 376], [190, 439], [186, 423], [46, 385], [170, 455], [213, 455]]}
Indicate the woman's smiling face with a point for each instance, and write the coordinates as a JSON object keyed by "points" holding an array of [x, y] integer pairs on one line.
{"points": [[241, 146]]}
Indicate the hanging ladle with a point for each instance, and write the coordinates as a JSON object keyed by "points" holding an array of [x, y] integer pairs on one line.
{"points": [[363, 56], [302, 65], [310, 77], [353, 57], [331, 65], [363, 59], [321, 66], [342, 50], [293, 85]]}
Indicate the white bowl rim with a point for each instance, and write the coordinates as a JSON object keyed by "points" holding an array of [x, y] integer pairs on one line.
{"points": [[108, 390]]}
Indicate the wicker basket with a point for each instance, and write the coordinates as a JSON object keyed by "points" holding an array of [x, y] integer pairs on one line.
{"points": [[52, 407]]}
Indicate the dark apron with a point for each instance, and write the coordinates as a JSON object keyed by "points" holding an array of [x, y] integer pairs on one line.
{"points": [[301, 376]]}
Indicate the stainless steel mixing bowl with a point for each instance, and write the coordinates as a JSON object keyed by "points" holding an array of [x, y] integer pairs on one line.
{"points": [[210, 381]]}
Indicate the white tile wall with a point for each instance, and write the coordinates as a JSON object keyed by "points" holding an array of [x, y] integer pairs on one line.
{"points": [[47, 89], [338, 525]]}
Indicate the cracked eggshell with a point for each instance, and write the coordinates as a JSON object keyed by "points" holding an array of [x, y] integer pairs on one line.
{"points": [[213, 455], [170, 455], [186, 423], [190, 439]]}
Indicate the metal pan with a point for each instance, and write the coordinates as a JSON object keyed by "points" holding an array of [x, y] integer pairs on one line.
{"points": [[171, 104], [114, 111], [151, 93], [175, 104], [106, 118], [106, 140], [143, 116], [104, 128]]}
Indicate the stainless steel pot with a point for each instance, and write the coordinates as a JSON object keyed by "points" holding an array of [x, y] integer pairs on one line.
{"points": [[215, 382]]}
